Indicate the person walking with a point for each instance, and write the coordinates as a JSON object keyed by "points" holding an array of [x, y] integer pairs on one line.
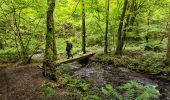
{"points": [[68, 49]]}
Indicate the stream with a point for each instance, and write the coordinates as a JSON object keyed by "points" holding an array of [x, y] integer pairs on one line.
{"points": [[98, 75]]}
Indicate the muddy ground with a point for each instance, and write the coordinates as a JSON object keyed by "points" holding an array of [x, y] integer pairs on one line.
{"points": [[18, 82]]}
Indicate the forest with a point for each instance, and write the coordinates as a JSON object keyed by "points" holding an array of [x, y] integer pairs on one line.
{"points": [[84, 49]]}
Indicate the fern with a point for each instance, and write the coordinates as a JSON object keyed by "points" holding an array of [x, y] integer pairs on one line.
{"points": [[111, 93], [149, 93], [136, 91], [129, 95]]}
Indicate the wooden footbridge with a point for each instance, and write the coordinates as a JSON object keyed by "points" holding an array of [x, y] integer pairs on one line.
{"points": [[77, 58], [39, 57]]}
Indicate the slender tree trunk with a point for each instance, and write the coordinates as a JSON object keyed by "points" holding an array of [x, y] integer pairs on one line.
{"points": [[107, 26], [1, 45], [23, 50], [127, 24], [148, 27], [168, 47], [83, 28], [125, 31], [119, 43], [48, 63], [133, 11]]}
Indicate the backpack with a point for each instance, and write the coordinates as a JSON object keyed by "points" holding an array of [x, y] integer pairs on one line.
{"points": [[71, 46]]}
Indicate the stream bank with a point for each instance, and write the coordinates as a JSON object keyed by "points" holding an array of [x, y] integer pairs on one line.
{"points": [[100, 74]]}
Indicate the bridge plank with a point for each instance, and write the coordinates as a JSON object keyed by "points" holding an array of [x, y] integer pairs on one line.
{"points": [[83, 56]]}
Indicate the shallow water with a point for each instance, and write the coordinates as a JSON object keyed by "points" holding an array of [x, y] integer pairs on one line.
{"points": [[119, 75], [100, 74]]}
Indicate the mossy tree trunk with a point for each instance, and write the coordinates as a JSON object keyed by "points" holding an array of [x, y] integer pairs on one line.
{"points": [[107, 28], [83, 28], [168, 47], [119, 43], [50, 50]]}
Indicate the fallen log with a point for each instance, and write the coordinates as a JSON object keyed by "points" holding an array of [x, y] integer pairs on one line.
{"points": [[78, 58]]}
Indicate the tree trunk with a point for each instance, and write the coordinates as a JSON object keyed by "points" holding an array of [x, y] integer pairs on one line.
{"points": [[107, 24], [133, 12], [1, 45], [17, 31], [125, 31], [119, 43], [148, 27], [168, 47], [83, 28], [50, 50]]}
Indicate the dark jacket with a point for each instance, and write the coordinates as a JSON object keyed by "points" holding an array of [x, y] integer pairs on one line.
{"points": [[68, 46]]}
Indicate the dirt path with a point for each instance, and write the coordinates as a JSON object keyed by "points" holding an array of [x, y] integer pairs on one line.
{"points": [[19, 82]]}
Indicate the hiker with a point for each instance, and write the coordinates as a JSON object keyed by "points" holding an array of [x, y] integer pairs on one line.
{"points": [[68, 49]]}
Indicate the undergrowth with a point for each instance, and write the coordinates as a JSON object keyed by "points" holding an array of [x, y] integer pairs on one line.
{"points": [[131, 91], [147, 61], [8, 55], [47, 90]]}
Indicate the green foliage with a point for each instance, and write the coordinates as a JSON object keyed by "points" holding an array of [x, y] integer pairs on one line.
{"points": [[139, 92], [111, 93], [131, 91], [78, 83], [91, 97], [74, 82], [8, 55], [139, 60], [155, 44], [123, 61], [30, 15], [106, 58], [152, 62], [48, 90]]}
